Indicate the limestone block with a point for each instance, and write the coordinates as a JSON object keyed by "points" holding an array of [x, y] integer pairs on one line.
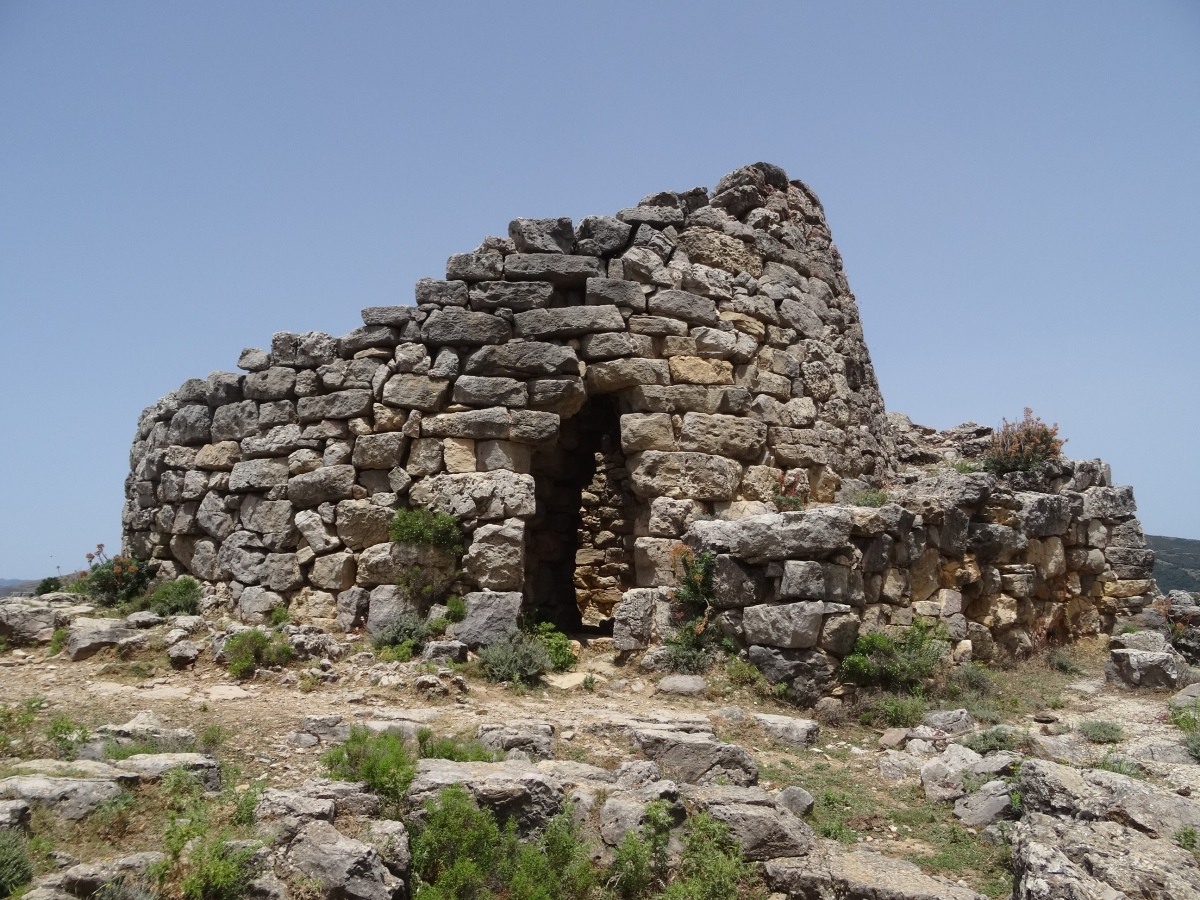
{"points": [[697, 476], [568, 321], [712, 248], [492, 455], [411, 391], [671, 518], [802, 580], [477, 390], [654, 561], [329, 483], [695, 370], [615, 345], [490, 616], [811, 533], [303, 351], [742, 439], [362, 524], [532, 426], [338, 405], [425, 457], [379, 451], [190, 426], [491, 495], [647, 431], [563, 396], [523, 360], [786, 625], [258, 475], [459, 455], [689, 307], [477, 424], [315, 532], [334, 572], [496, 558], [460, 327], [614, 375], [517, 296], [563, 271]]}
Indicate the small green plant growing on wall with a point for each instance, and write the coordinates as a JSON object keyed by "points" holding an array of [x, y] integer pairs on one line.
{"points": [[424, 528]]}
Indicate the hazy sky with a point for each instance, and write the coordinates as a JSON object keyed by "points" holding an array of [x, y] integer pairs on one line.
{"points": [[1014, 188]]}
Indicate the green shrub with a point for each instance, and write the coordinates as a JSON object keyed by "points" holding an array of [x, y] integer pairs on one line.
{"points": [[869, 497], [901, 712], [116, 580], [16, 869], [973, 679], [711, 865], [211, 738], [558, 646], [380, 760], [1101, 732], [252, 649], [401, 652], [423, 528], [897, 664], [215, 871], [966, 466], [989, 741], [589, 683], [245, 802], [1186, 838], [1185, 718], [280, 616], [1121, 765], [1062, 661], [1192, 744], [694, 572], [48, 586], [58, 640], [1022, 446], [180, 597], [407, 628], [15, 722], [456, 749], [640, 861], [519, 658], [742, 673], [456, 609], [117, 751], [65, 735]]}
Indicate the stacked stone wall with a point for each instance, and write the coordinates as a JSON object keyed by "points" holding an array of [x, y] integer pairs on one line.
{"points": [[584, 397]]}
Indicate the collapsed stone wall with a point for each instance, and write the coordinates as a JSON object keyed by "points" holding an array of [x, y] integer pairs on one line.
{"points": [[582, 398]]}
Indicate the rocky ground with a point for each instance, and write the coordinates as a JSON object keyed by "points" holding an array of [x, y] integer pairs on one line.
{"points": [[833, 808]]}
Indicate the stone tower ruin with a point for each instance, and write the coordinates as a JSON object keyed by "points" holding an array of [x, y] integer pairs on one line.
{"points": [[585, 400]]}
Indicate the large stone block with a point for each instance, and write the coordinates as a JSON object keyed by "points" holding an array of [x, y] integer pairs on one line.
{"points": [[495, 560], [460, 327], [379, 451], [742, 439], [258, 475], [362, 524], [690, 308], [477, 390], [647, 431], [338, 405], [522, 360], [416, 391], [606, 377], [479, 495], [698, 476], [329, 483], [786, 625], [517, 296], [490, 617], [812, 533], [564, 271], [568, 321]]}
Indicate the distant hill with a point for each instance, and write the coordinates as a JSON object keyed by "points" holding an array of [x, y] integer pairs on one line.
{"points": [[10, 586], [1176, 563]]}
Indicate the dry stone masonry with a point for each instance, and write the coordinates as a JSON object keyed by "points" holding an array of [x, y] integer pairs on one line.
{"points": [[588, 398]]}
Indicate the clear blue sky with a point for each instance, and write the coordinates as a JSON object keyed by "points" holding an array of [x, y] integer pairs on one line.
{"points": [[1015, 189]]}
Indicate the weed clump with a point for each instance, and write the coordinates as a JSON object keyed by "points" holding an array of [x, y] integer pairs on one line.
{"points": [[215, 870], [1101, 732], [989, 741], [15, 722], [424, 528], [1022, 446], [519, 658], [252, 649], [558, 646], [380, 760], [16, 869], [897, 664], [693, 647], [869, 497], [180, 597], [452, 748], [456, 609]]}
